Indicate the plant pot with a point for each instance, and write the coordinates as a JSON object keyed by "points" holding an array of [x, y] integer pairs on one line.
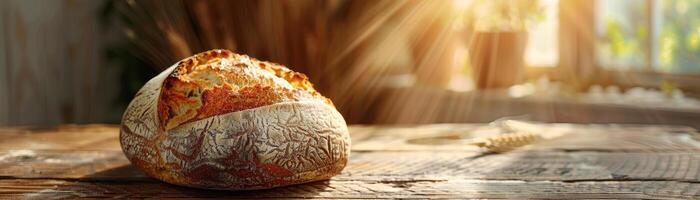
{"points": [[497, 58]]}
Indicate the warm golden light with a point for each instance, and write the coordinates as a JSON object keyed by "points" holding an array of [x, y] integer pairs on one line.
{"points": [[376, 99], [427, 61]]}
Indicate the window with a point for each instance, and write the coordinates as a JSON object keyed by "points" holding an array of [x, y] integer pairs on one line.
{"points": [[621, 34], [651, 35], [615, 42], [543, 44], [678, 36]]}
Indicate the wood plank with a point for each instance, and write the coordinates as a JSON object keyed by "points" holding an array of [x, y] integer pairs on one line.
{"points": [[64, 137], [47, 153], [42, 189], [386, 162], [416, 137], [393, 138], [52, 69], [381, 166], [67, 164], [625, 138], [525, 165], [450, 137]]}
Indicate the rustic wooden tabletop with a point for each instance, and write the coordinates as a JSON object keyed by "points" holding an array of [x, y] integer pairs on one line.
{"points": [[427, 161]]}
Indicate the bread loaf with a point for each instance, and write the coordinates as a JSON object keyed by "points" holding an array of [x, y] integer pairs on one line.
{"points": [[220, 120]]}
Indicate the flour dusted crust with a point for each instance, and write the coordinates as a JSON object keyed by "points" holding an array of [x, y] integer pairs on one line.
{"points": [[220, 120]]}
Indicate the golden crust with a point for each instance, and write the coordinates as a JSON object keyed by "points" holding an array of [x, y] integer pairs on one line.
{"points": [[219, 81]]}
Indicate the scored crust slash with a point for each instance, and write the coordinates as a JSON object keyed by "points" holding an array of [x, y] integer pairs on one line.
{"points": [[221, 120]]}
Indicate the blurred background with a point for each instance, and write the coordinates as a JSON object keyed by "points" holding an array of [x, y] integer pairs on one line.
{"points": [[380, 61]]}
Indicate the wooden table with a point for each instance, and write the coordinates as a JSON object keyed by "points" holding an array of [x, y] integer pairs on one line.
{"points": [[593, 161]]}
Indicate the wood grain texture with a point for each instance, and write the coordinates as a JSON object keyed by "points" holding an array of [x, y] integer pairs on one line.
{"points": [[607, 162], [405, 166], [334, 189], [51, 64], [64, 137]]}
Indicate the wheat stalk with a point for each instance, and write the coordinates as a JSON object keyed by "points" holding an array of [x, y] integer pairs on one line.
{"points": [[506, 142]]}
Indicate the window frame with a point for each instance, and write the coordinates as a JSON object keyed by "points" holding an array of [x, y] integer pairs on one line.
{"points": [[579, 67]]}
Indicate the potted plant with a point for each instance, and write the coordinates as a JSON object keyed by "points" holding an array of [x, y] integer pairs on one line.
{"points": [[498, 39]]}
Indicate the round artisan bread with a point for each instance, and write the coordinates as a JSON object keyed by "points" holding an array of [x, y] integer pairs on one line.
{"points": [[221, 120]]}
